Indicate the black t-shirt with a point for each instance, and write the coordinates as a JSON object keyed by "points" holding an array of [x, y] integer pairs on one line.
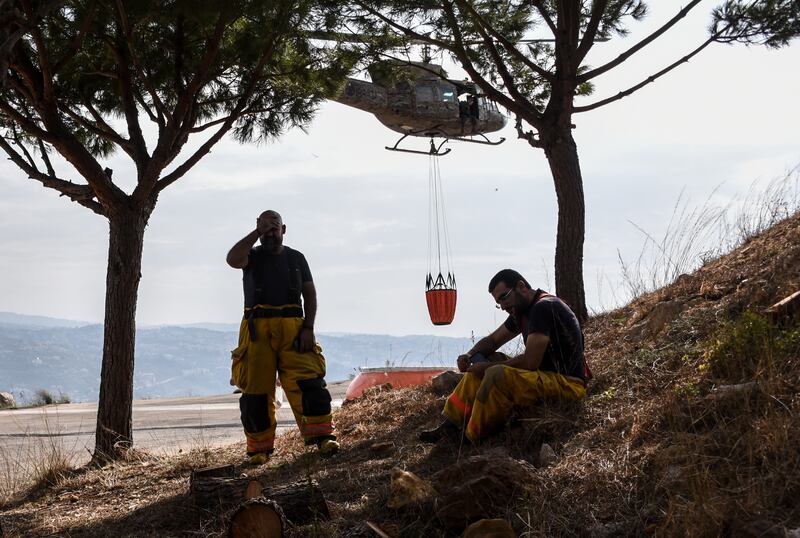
{"points": [[274, 283], [549, 315]]}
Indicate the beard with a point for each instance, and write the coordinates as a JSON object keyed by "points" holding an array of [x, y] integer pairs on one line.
{"points": [[270, 243]]}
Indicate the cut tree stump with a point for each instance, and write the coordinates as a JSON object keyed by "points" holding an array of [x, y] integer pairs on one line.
{"points": [[257, 517], [301, 501], [217, 471]]}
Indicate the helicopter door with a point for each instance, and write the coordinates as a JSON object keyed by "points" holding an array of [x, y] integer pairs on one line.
{"points": [[435, 100], [425, 97]]}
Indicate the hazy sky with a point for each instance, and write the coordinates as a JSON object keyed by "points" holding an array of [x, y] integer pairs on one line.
{"points": [[359, 213]]}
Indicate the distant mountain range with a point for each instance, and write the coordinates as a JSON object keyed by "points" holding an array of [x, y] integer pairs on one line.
{"points": [[64, 356]]}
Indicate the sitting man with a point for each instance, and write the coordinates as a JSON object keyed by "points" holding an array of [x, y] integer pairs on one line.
{"points": [[551, 366]]}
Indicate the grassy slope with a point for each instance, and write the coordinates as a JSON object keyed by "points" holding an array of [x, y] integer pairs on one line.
{"points": [[659, 447]]}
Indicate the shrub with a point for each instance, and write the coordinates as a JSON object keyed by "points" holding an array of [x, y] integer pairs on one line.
{"points": [[45, 397], [750, 348]]}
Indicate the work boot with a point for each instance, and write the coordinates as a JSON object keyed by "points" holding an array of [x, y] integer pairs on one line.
{"points": [[259, 458], [328, 447], [446, 430]]}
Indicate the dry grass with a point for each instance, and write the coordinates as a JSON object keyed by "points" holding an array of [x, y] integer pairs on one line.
{"points": [[39, 462], [660, 447], [695, 235]]}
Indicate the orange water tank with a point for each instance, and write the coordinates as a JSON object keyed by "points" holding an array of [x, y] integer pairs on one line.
{"points": [[397, 377]]}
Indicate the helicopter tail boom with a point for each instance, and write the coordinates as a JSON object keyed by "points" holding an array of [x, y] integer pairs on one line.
{"points": [[362, 95]]}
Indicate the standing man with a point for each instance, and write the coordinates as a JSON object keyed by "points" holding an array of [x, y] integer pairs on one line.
{"points": [[552, 364], [277, 336]]}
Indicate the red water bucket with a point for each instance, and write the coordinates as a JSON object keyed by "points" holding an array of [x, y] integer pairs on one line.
{"points": [[441, 305]]}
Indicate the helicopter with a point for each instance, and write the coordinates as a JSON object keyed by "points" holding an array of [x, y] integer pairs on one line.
{"points": [[417, 99]]}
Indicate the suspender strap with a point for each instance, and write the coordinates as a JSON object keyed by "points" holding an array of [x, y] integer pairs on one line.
{"points": [[295, 278]]}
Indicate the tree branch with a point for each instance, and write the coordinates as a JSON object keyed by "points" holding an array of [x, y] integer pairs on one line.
{"points": [[138, 146], [241, 105], [83, 194], [246, 112], [50, 170], [151, 90], [174, 136], [100, 128], [585, 77], [58, 135], [158, 120], [529, 136], [459, 50], [201, 152], [188, 97], [77, 43], [598, 7], [508, 79], [45, 72], [22, 147], [646, 81], [508, 45], [26, 123], [408, 32], [25, 79], [545, 17]]}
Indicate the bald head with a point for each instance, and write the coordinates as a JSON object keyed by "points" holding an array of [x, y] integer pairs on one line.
{"points": [[272, 215]]}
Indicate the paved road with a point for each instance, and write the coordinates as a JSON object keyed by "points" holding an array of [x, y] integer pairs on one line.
{"points": [[158, 425]]}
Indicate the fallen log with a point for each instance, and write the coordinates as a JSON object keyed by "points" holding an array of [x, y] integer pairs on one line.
{"points": [[301, 501], [257, 517]]}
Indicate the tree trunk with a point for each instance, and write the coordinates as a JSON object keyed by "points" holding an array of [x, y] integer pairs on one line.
{"points": [[562, 156], [114, 410]]}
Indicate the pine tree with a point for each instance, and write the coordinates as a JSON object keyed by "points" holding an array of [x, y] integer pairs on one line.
{"points": [[90, 77]]}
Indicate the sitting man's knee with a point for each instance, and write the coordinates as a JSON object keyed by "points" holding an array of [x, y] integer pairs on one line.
{"points": [[494, 373]]}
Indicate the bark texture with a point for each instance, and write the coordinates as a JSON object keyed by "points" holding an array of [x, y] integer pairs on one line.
{"points": [[562, 156], [114, 433]]}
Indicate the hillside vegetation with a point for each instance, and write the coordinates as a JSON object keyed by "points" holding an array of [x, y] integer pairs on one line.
{"points": [[691, 427]]}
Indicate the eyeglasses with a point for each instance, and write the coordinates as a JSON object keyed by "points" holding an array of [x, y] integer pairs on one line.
{"points": [[503, 296]]}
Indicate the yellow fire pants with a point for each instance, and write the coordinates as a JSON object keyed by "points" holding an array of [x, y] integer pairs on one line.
{"points": [[484, 404], [255, 363]]}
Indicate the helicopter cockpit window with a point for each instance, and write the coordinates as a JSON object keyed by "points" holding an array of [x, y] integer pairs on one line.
{"points": [[425, 94]]}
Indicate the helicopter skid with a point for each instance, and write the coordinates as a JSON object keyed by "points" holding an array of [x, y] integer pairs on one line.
{"points": [[418, 152], [485, 140], [435, 150]]}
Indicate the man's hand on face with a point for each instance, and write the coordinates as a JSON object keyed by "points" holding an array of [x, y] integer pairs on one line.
{"points": [[306, 340], [463, 362], [265, 225], [479, 368]]}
